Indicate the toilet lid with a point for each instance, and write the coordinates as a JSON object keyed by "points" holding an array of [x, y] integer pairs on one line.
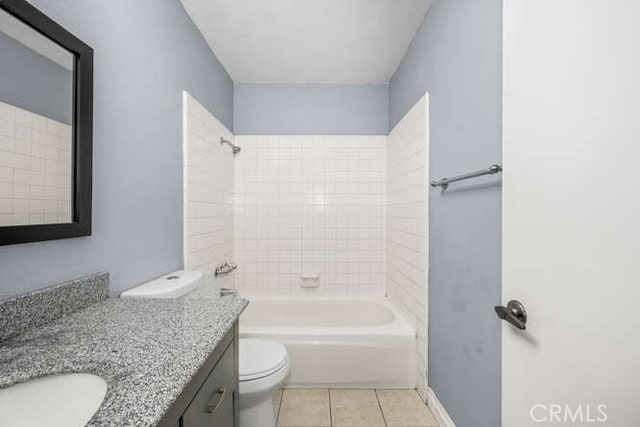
{"points": [[260, 357]]}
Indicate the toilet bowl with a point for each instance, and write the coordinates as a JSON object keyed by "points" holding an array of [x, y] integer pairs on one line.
{"points": [[263, 363]]}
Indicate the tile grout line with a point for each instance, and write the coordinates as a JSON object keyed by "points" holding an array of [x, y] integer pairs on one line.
{"points": [[384, 418], [330, 412], [279, 406]]}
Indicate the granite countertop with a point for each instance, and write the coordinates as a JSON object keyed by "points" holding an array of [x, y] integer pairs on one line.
{"points": [[146, 350]]}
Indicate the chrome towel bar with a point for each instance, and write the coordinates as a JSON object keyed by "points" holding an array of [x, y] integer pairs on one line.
{"points": [[444, 182]]}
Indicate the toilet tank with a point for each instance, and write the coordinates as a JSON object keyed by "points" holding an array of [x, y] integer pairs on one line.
{"points": [[173, 285]]}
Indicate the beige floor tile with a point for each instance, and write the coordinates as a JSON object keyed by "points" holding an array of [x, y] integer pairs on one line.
{"points": [[277, 398], [304, 408], [354, 408], [404, 408]]}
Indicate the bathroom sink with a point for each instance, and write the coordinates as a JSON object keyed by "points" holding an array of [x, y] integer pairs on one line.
{"points": [[59, 400]]}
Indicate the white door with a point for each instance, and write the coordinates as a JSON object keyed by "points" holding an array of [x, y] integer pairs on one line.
{"points": [[571, 248]]}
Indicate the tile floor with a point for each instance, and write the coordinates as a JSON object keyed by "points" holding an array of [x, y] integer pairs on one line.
{"points": [[351, 408]]}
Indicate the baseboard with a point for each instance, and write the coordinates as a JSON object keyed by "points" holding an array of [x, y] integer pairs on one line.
{"points": [[422, 393], [438, 411]]}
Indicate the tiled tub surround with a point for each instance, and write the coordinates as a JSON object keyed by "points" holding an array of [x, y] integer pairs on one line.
{"points": [[35, 168], [146, 350], [407, 225], [24, 312], [310, 205], [208, 191]]}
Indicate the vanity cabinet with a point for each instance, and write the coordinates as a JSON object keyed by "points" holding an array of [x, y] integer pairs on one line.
{"points": [[211, 398], [215, 402]]}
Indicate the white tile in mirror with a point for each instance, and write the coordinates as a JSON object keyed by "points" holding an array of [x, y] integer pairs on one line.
{"points": [[35, 168]]}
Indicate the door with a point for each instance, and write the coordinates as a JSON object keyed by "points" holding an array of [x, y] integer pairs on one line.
{"points": [[571, 223]]}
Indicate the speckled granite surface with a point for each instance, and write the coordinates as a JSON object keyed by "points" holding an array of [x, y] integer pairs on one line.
{"points": [[21, 313], [147, 350]]}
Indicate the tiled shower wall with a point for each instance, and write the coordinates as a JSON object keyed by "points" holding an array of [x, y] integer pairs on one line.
{"points": [[349, 210], [208, 191], [35, 168], [313, 206], [406, 226]]}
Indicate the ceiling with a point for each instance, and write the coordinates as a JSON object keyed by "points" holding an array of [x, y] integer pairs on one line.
{"points": [[309, 41]]}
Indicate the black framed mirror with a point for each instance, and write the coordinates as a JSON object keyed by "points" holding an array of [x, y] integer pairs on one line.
{"points": [[46, 128]]}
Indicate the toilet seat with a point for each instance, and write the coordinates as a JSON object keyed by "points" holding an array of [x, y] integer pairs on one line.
{"points": [[260, 357]]}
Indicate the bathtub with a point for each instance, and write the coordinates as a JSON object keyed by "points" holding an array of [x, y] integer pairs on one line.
{"points": [[337, 342]]}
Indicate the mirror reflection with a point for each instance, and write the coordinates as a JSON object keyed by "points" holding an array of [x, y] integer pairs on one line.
{"points": [[36, 134]]}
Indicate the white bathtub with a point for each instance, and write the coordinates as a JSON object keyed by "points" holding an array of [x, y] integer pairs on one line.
{"points": [[337, 342]]}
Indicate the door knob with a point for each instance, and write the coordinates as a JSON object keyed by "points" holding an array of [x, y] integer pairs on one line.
{"points": [[513, 313]]}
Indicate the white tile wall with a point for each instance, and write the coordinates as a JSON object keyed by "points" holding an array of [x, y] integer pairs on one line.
{"points": [[351, 209], [208, 191], [35, 168], [310, 205], [407, 225]]}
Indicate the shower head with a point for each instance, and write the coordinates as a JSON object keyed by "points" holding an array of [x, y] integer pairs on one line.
{"points": [[234, 148]]}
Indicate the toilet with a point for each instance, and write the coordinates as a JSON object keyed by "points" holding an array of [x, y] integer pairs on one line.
{"points": [[263, 363]]}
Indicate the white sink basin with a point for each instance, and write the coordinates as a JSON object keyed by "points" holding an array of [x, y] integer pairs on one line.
{"points": [[67, 400]]}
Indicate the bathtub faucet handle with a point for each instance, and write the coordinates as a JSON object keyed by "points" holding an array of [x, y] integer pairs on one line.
{"points": [[223, 270], [228, 291]]}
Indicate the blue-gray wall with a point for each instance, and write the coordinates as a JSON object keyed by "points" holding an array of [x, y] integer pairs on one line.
{"points": [[456, 57], [146, 53], [311, 109], [33, 82]]}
